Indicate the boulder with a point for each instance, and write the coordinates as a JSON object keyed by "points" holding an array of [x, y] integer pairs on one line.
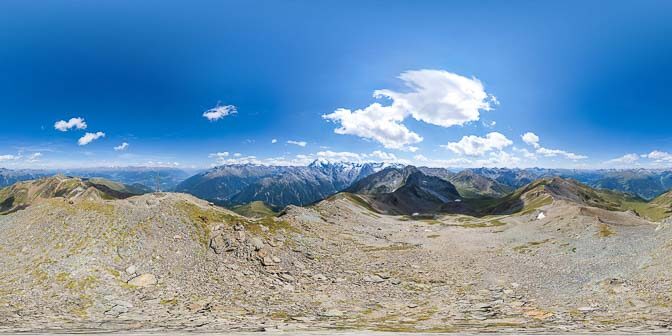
{"points": [[221, 243], [143, 280]]}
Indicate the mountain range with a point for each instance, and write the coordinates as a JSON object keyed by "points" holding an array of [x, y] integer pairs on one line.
{"points": [[153, 178], [277, 186]]}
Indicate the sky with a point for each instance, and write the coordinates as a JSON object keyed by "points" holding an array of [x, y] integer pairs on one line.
{"points": [[193, 84]]}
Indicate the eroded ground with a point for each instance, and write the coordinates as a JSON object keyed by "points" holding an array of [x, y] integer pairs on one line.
{"points": [[172, 262]]}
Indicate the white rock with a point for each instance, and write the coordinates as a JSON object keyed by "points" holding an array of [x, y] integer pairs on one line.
{"points": [[144, 280], [332, 313], [131, 269]]}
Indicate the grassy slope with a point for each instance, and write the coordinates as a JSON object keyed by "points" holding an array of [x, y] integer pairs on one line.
{"points": [[256, 209], [535, 195]]}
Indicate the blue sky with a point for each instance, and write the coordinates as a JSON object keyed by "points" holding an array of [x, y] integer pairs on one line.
{"points": [[589, 81]]}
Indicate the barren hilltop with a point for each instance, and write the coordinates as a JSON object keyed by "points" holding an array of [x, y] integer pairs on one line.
{"points": [[553, 256]]}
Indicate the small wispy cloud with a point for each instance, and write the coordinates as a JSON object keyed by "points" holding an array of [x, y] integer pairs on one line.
{"points": [[219, 155], [297, 143], [274, 141], [90, 137], [34, 157], [533, 140], [65, 126], [122, 147], [625, 159], [489, 124], [219, 112]]}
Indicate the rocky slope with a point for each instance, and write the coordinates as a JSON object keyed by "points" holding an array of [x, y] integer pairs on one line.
{"points": [[170, 262], [24, 194]]}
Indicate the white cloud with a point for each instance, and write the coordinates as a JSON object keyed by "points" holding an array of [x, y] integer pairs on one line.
{"points": [[31, 158], [375, 156], [375, 122], [64, 126], [533, 140], [219, 112], [477, 146], [525, 153], [274, 141], [489, 124], [89, 137], [493, 159], [499, 159], [340, 156], [122, 147], [625, 159], [384, 156], [218, 155], [557, 152], [659, 156], [161, 164], [223, 158], [437, 97], [298, 143], [34, 157], [300, 160]]}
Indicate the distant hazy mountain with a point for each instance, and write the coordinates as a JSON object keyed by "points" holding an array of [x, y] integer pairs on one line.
{"points": [[142, 177], [9, 177], [276, 186], [166, 178], [406, 190], [645, 183]]}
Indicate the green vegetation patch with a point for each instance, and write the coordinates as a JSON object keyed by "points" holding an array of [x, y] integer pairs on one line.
{"points": [[204, 218], [359, 201], [530, 246], [256, 209], [605, 231]]}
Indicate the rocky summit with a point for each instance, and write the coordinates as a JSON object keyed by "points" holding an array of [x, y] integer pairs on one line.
{"points": [[554, 256]]}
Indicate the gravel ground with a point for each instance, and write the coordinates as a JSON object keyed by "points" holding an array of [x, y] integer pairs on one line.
{"points": [[172, 263]]}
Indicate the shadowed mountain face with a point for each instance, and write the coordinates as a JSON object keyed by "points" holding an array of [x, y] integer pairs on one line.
{"points": [[24, 194], [410, 190], [406, 191], [275, 185]]}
